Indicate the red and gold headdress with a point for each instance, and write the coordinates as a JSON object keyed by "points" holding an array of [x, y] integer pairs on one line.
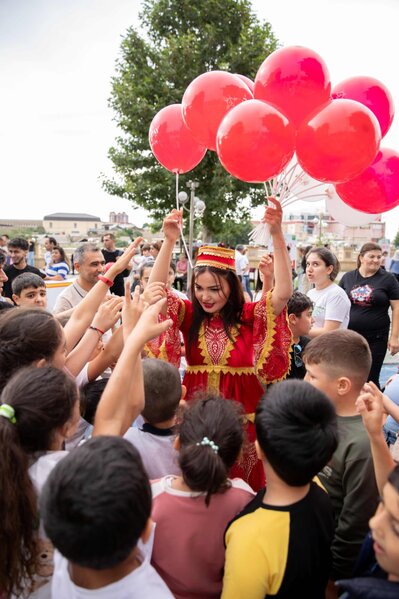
{"points": [[218, 257]]}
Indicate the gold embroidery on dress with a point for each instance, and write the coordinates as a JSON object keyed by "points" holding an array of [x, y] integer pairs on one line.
{"points": [[262, 348], [216, 347]]}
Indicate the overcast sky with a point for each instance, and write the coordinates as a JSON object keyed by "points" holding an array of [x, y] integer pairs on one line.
{"points": [[57, 58]]}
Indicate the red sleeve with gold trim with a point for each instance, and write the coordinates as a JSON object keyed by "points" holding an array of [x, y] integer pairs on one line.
{"points": [[167, 346], [272, 341]]}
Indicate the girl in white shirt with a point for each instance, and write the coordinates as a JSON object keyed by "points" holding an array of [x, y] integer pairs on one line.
{"points": [[331, 305]]}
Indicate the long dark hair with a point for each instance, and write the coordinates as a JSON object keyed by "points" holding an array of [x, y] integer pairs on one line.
{"points": [[26, 335], [43, 400], [62, 254], [231, 311]]}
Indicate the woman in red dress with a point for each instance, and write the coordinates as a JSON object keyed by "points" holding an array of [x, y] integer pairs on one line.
{"points": [[231, 346]]}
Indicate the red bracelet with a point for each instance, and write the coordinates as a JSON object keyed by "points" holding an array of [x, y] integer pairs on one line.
{"points": [[105, 280], [97, 329]]}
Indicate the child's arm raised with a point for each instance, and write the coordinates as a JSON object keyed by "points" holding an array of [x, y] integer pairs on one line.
{"points": [[123, 398], [106, 317], [371, 408]]}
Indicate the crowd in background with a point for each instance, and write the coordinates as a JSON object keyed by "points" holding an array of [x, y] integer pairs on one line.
{"points": [[248, 424]]}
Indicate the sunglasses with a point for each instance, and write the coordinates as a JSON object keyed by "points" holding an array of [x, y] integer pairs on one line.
{"points": [[297, 355]]}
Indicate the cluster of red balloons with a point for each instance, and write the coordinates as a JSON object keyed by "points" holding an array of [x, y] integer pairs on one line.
{"points": [[256, 127]]}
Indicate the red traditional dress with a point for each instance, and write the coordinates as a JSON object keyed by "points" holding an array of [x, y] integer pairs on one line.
{"points": [[258, 352]]}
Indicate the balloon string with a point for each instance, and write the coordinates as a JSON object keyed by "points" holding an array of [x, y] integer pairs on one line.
{"points": [[181, 226], [177, 191], [186, 248], [305, 192], [267, 192]]}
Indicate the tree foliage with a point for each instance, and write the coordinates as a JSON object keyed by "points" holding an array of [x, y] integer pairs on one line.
{"points": [[181, 39]]}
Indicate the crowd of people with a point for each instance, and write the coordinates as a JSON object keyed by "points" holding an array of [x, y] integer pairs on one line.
{"points": [[161, 437]]}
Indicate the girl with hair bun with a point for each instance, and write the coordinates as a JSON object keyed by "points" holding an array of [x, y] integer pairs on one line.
{"points": [[194, 509], [331, 305]]}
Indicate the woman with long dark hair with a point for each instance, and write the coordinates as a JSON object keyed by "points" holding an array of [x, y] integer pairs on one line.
{"points": [[58, 269], [231, 346]]}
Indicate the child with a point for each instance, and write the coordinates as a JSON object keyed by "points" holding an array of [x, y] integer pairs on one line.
{"points": [[192, 510], [338, 363], [155, 438], [299, 309], [29, 291], [382, 578], [39, 411], [96, 506], [280, 544]]}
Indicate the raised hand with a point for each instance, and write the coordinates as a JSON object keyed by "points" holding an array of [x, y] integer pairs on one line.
{"points": [[133, 307], [370, 405], [148, 327], [172, 225], [108, 313], [266, 266], [273, 215], [154, 292]]}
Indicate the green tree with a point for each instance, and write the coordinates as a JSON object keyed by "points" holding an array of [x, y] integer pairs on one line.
{"points": [[181, 39], [396, 240]]}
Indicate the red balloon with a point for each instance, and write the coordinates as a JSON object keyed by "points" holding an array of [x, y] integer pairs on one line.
{"points": [[339, 142], [373, 94], [247, 82], [377, 188], [172, 143], [208, 99], [295, 80], [255, 141]]}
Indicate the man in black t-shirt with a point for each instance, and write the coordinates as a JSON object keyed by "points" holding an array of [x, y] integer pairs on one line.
{"points": [[18, 251], [111, 254]]}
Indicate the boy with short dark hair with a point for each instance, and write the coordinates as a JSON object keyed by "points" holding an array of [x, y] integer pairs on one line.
{"points": [[155, 438], [338, 363], [96, 507], [299, 310], [29, 291], [280, 544]]}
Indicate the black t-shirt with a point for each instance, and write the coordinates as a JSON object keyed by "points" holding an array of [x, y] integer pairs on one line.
{"points": [[297, 369], [13, 272], [118, 288], [370, 299]]}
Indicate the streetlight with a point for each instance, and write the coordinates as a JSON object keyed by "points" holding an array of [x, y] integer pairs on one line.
{"points": [[196, 209], [319, 220]]}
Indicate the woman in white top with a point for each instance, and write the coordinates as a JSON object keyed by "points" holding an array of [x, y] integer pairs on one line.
{"points": [[331, 305]]}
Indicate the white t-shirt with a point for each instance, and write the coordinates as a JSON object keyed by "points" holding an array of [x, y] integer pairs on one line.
{"points": [[157, 452], [142, 583], [330, 303], [241, 262]]}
